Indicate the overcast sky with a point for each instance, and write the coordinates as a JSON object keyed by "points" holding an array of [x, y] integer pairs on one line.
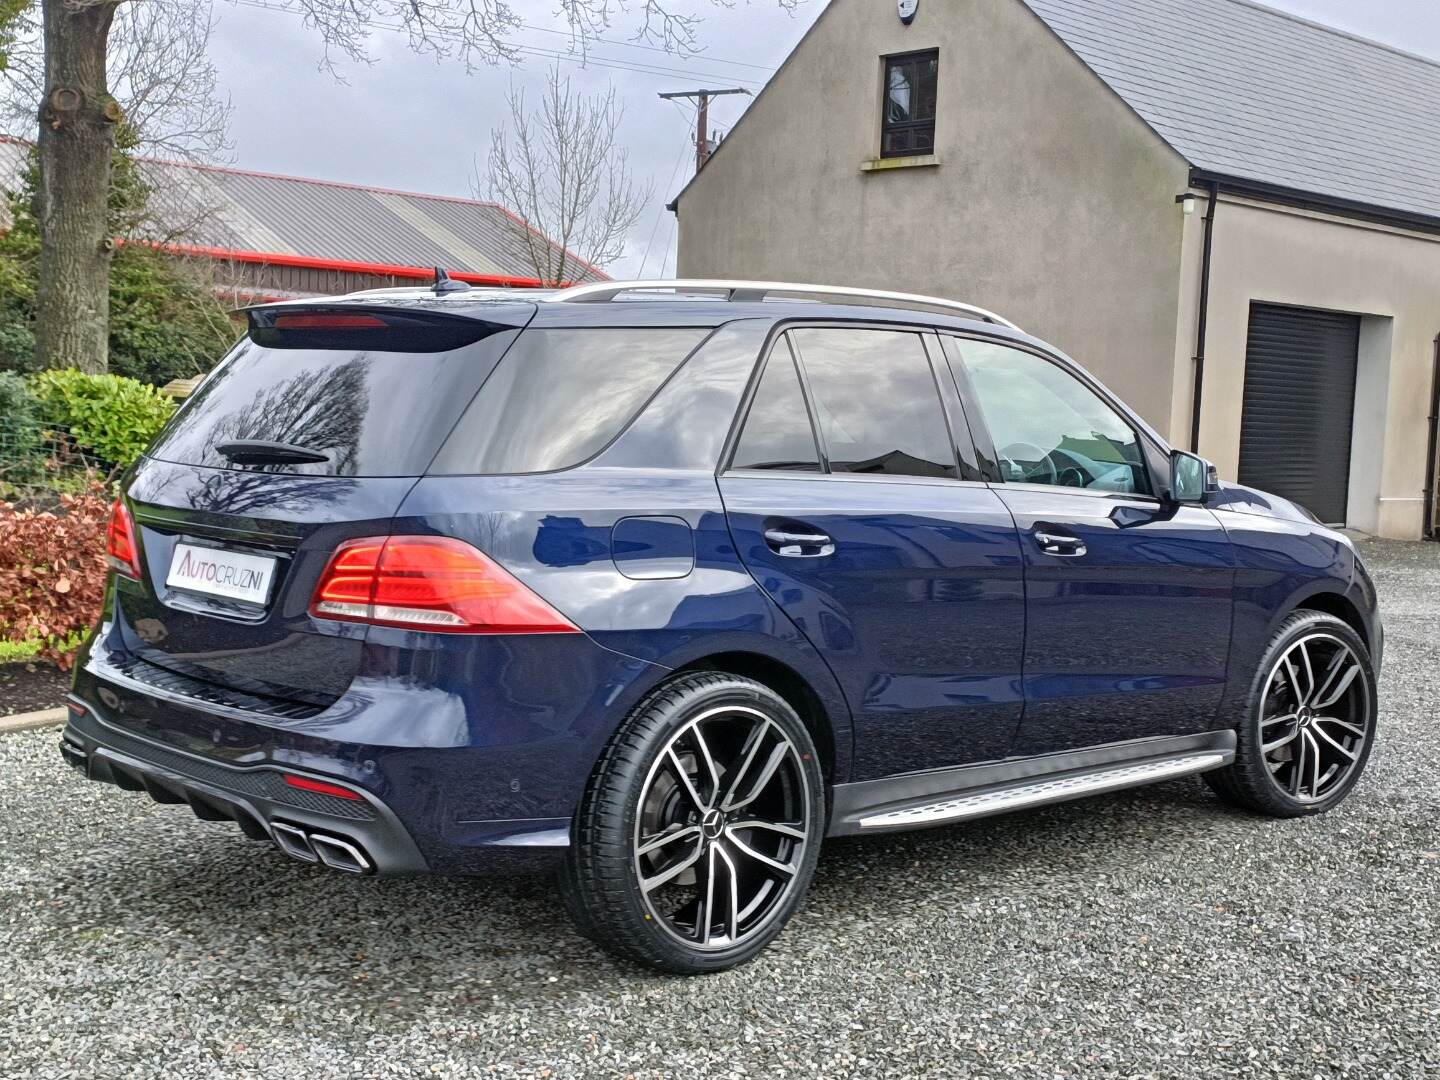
{"points": [[410, 122]]}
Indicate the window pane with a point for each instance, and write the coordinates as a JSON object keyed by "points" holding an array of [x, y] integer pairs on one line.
{"points": [[927, 84], [877, 403], [1048, 426], [371, 412], [777, 432], [899, 100], [560, 396]]}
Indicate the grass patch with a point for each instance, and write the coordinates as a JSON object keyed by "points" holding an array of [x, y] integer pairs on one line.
{"points": [[23, 652]]}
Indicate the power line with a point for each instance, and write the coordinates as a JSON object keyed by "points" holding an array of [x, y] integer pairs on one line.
{"points": [[648, 48], [587, 60], [669, 185]]}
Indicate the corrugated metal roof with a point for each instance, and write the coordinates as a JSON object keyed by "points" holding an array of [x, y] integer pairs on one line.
{"points": [[1245, 91], [241, 211]]}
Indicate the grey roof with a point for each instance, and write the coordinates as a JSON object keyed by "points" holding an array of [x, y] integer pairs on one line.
{"points": [[236, 210], [1244, 91]]}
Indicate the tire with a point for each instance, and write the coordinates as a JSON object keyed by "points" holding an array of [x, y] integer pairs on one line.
{"points": [[1311, 763], [754, 851]]}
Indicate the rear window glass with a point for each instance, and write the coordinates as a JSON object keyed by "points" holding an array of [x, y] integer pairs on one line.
{"points": [[369, 412], [561, 396]]}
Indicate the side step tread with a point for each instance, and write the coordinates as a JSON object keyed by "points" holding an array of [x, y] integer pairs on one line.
{"points": [[1039, 792]]}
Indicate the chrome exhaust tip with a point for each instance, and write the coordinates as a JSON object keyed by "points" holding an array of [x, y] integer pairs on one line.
{"points": [[340, 855], [293, 842], [310, 847]]}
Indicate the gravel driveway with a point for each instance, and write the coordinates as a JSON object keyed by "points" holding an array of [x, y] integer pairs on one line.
{"points": [[1152, 933]]}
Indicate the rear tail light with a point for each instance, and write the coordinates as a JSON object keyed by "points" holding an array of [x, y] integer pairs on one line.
{"points": [[121, 551], [430, 583]]}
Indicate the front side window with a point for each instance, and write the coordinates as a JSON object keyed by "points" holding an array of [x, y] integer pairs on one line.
{"points": [[876, 402], [1048, 426], [911, 84], [777, 433]]}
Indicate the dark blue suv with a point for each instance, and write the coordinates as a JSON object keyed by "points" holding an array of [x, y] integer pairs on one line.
{"points": [[660, 584]]}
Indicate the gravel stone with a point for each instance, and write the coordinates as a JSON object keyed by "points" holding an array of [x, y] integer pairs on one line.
{"points": [[1152, 933]]}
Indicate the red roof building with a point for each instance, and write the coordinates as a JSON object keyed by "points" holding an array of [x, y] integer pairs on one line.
{"points": [[264, 235]]}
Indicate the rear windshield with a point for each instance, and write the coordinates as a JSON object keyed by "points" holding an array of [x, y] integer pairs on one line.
{"points": [[369, 412], [561, 396]]}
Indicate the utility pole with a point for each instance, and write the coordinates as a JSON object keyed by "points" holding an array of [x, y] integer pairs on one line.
{"points": [[702, 122]]}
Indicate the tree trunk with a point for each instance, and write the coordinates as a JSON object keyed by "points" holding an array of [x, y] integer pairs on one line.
{"points": [[77, 137]]}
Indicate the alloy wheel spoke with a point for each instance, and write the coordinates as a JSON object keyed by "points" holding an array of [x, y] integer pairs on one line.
{"points": [[1319, 733], [673, 871], [759, 856], [1297, 768], [709, 760], [1287, 718], [1344, 725], [684, 777], [1284, 740], [1294, 677], [772, 764], [1337, 682], [1304, 648], [1314, 758], [795, 832], [753, 742], [734, 891], [655, 843], [706, 919]]}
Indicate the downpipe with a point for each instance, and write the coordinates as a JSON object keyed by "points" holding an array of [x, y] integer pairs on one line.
{"points": [[1430, 531]]}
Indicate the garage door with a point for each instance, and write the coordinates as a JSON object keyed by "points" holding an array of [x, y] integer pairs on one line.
{"points": [[1300, 406]]}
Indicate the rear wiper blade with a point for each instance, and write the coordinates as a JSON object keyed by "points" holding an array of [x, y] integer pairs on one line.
{"points": [[266, 452]]}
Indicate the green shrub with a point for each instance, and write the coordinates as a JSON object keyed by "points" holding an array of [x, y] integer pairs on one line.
{"points": [[110, 415], [22, 455]]}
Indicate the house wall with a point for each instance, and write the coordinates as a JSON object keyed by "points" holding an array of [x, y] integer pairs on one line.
{"points": [[1271, 254], [1051, 202]]}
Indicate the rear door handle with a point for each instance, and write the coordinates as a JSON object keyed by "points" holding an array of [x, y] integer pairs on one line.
{"points": [[799, 545], [1066, 547]]}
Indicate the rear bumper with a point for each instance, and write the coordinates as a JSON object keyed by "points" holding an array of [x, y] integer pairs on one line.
{"points": [[359, 836], [470, 755]]}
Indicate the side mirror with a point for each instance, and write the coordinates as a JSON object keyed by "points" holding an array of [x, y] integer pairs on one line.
{"points": [[1191, 478]]}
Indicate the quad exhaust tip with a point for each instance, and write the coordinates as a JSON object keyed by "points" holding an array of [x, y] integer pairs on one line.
{"points": [[310, 847]]}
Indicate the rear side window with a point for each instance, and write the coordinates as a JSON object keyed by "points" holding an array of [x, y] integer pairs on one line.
{"points": [[777, 433], [877, 402], [561, 396], [369, 412]]}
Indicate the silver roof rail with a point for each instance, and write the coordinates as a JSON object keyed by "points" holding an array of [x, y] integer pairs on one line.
{"points": [[756, 291]]}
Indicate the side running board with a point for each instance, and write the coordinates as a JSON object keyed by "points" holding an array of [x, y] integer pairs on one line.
{"points": [[921, 800]]}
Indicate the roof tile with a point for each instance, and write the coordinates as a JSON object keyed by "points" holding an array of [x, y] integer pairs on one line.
{"points": [[1247, 91]]}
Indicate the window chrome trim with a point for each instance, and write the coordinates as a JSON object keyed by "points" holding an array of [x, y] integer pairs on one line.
{"points": [[866, 478]]}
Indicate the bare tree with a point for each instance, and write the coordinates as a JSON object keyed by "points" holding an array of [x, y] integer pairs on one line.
{"points": [[559, 171], [79, 117], [158, 69]]}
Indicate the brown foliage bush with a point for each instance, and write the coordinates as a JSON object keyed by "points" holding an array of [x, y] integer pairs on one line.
{"points": [[52, 571]]}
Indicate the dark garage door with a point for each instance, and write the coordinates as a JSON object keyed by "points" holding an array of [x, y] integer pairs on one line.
{"points": [[1300, 406]]}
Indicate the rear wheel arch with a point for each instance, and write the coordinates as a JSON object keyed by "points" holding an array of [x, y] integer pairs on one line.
{"points": [[790, 685]]}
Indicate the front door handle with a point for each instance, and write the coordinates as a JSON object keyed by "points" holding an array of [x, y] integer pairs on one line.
{"points": [[799, 545], [1066, 547]]}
